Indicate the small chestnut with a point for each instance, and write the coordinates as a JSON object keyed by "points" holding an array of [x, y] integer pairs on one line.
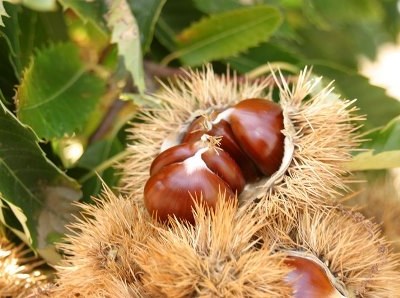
{"points": [[309, 279]]}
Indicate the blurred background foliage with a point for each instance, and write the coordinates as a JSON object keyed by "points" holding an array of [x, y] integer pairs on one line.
{"points": [[75, 72]]}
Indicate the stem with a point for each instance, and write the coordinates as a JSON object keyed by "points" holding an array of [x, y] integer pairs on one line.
{"points": [[161, 71], [104, 165], [108, 121]]}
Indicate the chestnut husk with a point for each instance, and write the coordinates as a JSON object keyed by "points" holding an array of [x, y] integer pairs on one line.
{"points": [[235, 249]]}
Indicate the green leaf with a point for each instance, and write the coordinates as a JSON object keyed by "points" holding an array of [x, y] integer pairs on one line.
{"points": [[385, 139], [372, 100], [100, 157], [165, 34], [226, 34], [92, 11], [125, 33], [215, 6], [41, 28], [38, 193], [383, 149], [96, 156], [175, 16], [147, 13], [348, 10], [178, 14], [56, 101], [260, 55], [339, 46]]}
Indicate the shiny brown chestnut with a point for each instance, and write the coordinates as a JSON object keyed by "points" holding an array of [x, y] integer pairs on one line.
{"points": [[216, 160], [229, 144], [309, 279], [257, 125], [189, 172], [173, 155]]}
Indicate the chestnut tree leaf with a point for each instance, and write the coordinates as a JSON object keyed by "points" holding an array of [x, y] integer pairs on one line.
{"points": [[225, 34], [35, 190], [41, 27], [57, 92], [125, 33], [146, 13], [267, 52]]}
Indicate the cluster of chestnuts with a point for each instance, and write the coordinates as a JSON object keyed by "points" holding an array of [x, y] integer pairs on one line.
{"points": [[283, 238], [219, 153]]}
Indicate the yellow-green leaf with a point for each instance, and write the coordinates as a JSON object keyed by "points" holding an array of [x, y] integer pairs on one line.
{"points": [[370, 161]]}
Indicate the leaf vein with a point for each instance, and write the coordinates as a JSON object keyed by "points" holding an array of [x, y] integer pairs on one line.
{"points": [[63, 88]]}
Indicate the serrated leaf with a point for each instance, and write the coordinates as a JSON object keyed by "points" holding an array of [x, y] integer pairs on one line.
{"points": [[146, 13], [30, 183], [125, 33], [56, 101], [41, 28], [373, 101], [226, 34], [92, 11]]}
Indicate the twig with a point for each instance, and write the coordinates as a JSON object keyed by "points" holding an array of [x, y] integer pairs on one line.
{"points": [[108, 120], [162, 71]]}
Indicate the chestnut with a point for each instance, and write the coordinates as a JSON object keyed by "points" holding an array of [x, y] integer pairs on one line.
{"points": [[309, 279], [257, 125], [228, 144], [181, 175], [174, 154]]}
